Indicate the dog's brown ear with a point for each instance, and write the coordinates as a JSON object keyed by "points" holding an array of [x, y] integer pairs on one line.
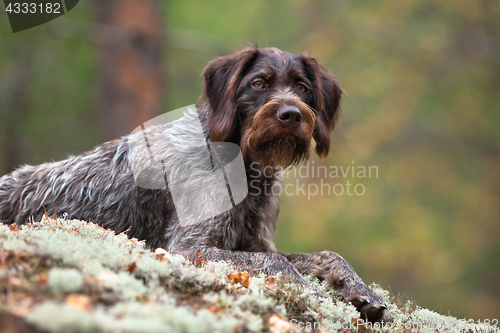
{"points": [[327, 100], [222, 79]]}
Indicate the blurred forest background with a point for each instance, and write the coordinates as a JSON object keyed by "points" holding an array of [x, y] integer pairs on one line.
{"points": [[423, 105]]}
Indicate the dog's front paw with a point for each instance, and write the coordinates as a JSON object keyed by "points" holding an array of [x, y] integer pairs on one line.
{"points": [[354, 291], [340, 276], [371, 307]]}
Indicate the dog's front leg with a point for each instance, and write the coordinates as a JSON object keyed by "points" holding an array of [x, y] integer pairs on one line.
{"points": [[255, 262], [334, 269]]}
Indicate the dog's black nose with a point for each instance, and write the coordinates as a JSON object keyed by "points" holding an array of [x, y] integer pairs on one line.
{"points": [[289, 116]]}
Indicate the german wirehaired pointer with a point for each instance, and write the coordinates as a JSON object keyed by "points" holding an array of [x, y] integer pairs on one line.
{"points": [[270, 103]]}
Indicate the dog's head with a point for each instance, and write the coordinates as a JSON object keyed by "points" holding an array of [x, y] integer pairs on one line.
{"points": [[272, 104]]}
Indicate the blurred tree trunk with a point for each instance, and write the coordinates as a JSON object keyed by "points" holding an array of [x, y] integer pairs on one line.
{"points": [[131, 73], [15, 108]]}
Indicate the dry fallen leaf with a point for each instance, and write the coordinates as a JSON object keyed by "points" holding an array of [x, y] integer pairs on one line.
{"points": [[199, 258], [79, 302], [14, 281], [270, 280], [132, 267], [13, 227], [43, 277], [162, 255], [240, 277], [216, 309], [279, 325], [356, 324], [141, 298]]}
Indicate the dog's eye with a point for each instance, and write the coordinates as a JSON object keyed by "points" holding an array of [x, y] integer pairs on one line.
{"points": [[259, 84], [301, 88]]}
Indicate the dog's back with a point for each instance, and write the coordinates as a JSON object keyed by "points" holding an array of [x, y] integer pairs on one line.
{"points": [[102, 186], [96, 186]]}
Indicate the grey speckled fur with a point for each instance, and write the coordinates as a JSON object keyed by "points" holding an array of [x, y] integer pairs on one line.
{"points": [[99, 186]]}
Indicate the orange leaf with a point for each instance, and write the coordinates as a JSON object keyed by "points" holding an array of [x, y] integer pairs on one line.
{"points": [[216, 309], [358, 324], [240, 277], [43, 277], [79, 302], [270, 280], [199, 258]]}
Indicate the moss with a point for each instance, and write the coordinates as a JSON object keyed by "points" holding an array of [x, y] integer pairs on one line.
{"points": [[65, 280], [122, 286], [129, 317]]}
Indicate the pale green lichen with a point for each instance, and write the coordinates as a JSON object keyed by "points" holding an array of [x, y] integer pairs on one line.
{"points": [[129, 290], [65, 280], [129, 317]]}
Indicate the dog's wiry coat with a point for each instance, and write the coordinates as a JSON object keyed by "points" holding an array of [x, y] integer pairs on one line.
{"points": [[269, 102]]}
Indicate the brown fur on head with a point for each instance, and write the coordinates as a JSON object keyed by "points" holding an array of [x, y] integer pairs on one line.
{"points": [[272, 104]]}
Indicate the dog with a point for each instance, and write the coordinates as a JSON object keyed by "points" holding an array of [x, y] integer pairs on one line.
{"points": [[272, 104]]}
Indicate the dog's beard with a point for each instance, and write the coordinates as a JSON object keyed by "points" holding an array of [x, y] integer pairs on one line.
{"points": [[270, 143], [281, 152]]}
